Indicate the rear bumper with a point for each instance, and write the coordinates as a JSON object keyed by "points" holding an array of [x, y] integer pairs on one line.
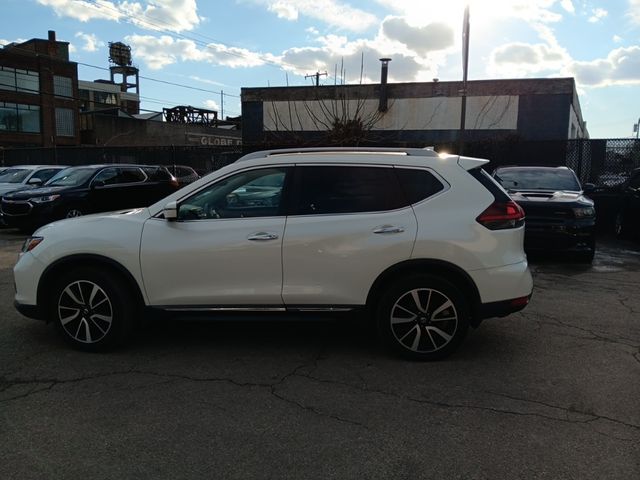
{"points": [[502, 308]]}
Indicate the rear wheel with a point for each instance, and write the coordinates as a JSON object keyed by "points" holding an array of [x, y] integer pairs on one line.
{"points": [[91, 310], [72, 212], [423, 317]]}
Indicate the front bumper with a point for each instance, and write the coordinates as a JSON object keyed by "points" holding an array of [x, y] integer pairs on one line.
{"points": [[570, 236], [31, 311]]}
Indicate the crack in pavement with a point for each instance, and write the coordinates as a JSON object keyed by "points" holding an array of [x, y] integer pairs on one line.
{"points": [[591, 417], [50, 383], [623, 301], [550, 320]]}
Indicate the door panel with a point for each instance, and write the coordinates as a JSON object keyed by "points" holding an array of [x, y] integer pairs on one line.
{"points": [[334, 259], [213, 262]]}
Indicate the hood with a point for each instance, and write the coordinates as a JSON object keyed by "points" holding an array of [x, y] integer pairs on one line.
{"points": [[26, 193], [549, 197], [87, 221], [12, 187]]}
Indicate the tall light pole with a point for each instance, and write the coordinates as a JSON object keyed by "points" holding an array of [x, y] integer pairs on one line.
{"points": [[636, 129], [465, 65]]}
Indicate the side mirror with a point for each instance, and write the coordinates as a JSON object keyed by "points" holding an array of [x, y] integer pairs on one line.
{"points": [[35, 182], [589, 187], [170, 211]]}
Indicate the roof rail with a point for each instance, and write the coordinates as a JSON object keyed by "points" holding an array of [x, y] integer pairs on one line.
{"points": [[417, 152]]}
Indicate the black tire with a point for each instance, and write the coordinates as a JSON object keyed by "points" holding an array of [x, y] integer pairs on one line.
{"points": [[92, 310], [73, 211], [437, 329]]}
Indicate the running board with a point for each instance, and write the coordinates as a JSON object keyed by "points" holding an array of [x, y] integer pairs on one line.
{"points": [[256, 309]]}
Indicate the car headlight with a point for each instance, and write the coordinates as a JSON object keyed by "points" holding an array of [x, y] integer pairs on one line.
{"points": [[31, 243], [584, 212], [45, 199]]}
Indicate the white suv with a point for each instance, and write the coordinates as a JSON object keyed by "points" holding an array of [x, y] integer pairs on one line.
{"points": [[428, 244]]}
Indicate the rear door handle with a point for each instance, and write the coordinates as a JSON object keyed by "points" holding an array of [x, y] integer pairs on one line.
{"points": [[388, 229], [262, 237]]}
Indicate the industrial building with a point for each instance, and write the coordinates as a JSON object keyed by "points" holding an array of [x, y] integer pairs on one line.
{"points": [[413, 114]]}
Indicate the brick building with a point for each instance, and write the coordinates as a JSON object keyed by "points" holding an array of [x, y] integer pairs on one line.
{"points": [[38, 94]]}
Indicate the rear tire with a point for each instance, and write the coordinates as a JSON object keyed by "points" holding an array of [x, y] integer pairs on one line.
{"points": [[92, 310], [423, 317]]}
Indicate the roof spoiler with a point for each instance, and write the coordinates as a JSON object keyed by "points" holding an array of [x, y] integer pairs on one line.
{"points": [[469, 163]]}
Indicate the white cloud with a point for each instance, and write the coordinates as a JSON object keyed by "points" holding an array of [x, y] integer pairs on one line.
{"points": [[158, 52], [212, 105], [91, 42], [332, 12], [568, 6], [617, 39], [4, 42], [284, 10], [207, 81], [620, 67], [172, 15], [634, 11], [598, 14], [422, 40], [521, 59]]}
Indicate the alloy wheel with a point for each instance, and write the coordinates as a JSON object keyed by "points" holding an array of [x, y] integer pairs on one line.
{"points": [[74, 212], [424, 320], [85, 311]]}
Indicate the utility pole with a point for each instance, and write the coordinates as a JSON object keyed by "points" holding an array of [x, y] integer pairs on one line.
{"points": [[221, 105], [465, 64], [317, 75], [636, 129]]}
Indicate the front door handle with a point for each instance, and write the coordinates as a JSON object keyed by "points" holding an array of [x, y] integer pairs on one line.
{"points": [[262, 237], [388, 229]]}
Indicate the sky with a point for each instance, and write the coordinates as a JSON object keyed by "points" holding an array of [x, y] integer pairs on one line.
{"points": [[207, 50]]}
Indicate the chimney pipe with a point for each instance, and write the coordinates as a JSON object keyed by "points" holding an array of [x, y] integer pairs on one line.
{"points": [[52, 35], [382, 107]]}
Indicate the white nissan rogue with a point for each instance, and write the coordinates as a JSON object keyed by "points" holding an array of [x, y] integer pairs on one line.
{"points": [[428, 244]]}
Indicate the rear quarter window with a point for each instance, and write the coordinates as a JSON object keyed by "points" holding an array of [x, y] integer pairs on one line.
{"points": [[418, 184], [490, 184]]}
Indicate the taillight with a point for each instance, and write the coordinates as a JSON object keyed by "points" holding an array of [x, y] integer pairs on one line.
{"points": [[502, 215], [174, 182]]}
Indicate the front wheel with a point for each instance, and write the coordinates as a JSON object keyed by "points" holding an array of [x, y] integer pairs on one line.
{"points": [[91, 310], [423, 317]]}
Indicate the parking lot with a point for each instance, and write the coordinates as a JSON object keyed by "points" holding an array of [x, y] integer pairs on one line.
{"points": [[551, 392]]}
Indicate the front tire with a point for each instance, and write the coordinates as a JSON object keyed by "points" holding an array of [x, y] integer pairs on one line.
{"points": [[423, 317], [91, 310]]}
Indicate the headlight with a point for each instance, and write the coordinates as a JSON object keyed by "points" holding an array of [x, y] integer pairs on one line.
{"points": [[45, 199], [31, 243], [584, 212]]}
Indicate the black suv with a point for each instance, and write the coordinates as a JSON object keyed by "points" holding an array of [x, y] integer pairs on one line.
{"points": [[558, 216], [627, 220], [88, 189]]}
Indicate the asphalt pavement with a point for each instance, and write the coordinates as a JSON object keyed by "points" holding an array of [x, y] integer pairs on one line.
{"points": [[551, 392]]}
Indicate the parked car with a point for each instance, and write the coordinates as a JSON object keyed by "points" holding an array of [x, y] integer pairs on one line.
{"points": [[185, 175], [559, 217], [88, 189], [427, 244], [24, 177], [627, 219]]}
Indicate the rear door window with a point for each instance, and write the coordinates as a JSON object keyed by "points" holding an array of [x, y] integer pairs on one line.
{"points": [[131, 175], [321, 190]]}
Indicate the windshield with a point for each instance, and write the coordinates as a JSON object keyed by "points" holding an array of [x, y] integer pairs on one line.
{"points": [[71, 177], [14, 175], [534, 179]]}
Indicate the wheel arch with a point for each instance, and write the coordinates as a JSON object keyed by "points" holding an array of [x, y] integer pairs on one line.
{"points": [[454, 274], [86, 261]]}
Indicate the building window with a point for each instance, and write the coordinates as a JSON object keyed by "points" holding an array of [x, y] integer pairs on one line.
{"points": [[19, 80], [62, 86], [19, 118], [64, 122]]}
